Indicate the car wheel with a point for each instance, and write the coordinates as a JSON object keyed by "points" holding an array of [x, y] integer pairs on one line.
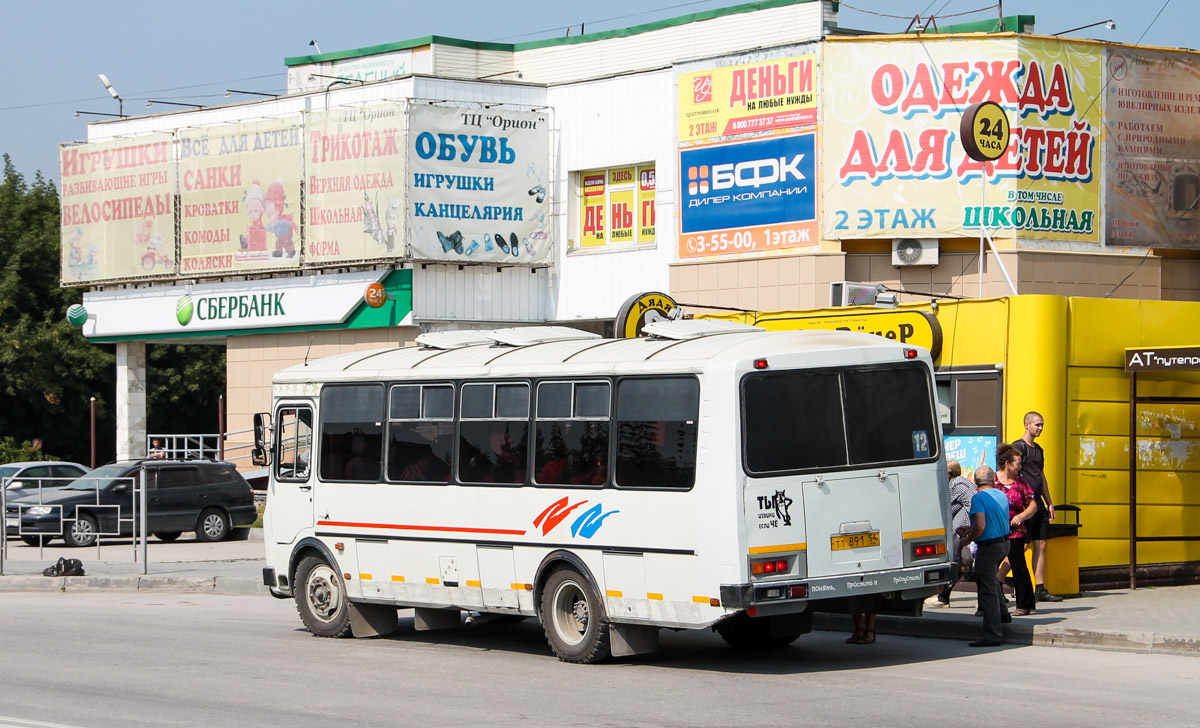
{"points": [[321, 598], [168, 536], [82, 531], [35, 540], [573, 619], [212, 526]]}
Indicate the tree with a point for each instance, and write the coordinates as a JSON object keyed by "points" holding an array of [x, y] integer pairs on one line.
{"points": [[182, 388], [48, 371]]}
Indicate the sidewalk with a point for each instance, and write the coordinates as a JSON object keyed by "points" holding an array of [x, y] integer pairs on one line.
{"points": [[1158, 620]]}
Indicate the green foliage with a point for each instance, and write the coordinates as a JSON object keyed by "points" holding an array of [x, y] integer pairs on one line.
{"points": [[184, 383], [12, 451], [48, 372]]}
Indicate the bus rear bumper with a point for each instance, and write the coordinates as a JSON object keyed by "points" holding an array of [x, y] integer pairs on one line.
{"points": [[915, 582]]}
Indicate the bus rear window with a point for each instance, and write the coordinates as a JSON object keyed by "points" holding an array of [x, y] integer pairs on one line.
{"points": [[808, 420]]}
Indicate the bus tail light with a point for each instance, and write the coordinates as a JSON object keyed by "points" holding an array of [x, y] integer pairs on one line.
{"points": [[925, 550], [774, 566], [798, 591]]}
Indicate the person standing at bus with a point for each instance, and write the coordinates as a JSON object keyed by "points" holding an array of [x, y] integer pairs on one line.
{"points": [[1021, 507], [961, 490], [989, 529], [1033, 463]]}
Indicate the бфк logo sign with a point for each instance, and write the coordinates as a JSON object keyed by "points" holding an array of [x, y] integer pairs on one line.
{"points": [[184, 309]]}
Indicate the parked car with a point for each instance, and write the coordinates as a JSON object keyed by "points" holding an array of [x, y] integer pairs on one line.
{"points": [[204, 496], [22, 479]]}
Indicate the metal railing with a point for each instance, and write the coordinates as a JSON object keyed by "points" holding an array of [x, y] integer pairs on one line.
{"points": [[206, 446], [129, 522]]}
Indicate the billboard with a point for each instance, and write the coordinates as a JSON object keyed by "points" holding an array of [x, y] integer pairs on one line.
{"points": [[354, 169], [748, 196], [118, 215], [240, 196], [894, 162], [752, 97], [1152, 114], [477, 186]]}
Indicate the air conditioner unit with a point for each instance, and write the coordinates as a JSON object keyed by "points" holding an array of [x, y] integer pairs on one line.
{"points": [[914, 251], [849, 293]]}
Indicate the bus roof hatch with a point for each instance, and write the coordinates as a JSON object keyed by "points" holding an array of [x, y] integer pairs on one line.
{"points": [[685, 329]]}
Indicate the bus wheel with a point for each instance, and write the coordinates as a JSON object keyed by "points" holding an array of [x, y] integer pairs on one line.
{"points": [[321, 599], [749, 633], [573, 619]]}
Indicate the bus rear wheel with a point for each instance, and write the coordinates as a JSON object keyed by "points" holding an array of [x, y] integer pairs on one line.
{"points": [[573, 619], [321, 598], [750, 633]]}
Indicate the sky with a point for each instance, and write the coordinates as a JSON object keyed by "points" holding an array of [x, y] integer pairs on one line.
{"points": [[193, 52]]}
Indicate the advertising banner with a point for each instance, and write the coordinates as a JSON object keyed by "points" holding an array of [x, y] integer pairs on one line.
{"points": [[749, 196], [1152, 109], [477, 186], [118, 216], [895, 163], [753, 97], [354, 162], [240, 196]]}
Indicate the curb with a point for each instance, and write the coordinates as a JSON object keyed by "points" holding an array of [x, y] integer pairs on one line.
{"points": [[229, 585], [1021, 635]]}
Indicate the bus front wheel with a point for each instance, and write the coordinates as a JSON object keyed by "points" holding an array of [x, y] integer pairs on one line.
{"points": [[321, 598], [573, 619]]}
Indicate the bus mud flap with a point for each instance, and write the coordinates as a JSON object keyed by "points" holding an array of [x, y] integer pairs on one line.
{"points": [[632, 639], [425, 619], [372, 620]]}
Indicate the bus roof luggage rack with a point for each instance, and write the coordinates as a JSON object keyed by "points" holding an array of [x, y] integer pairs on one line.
{"points": [[453, 339], [530, 335], [686, 329]]}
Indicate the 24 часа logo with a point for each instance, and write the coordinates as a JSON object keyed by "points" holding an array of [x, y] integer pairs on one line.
{"points": [[763, 182]]}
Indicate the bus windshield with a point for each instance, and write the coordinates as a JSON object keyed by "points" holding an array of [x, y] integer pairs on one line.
{"points": [[827, 419]]}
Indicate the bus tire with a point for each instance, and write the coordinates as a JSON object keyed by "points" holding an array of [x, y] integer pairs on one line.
{"points": [[321, 598], [573, 619], [750, 633]]}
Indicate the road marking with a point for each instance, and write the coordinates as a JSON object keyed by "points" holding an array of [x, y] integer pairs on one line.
{"points": [[9, 722]]}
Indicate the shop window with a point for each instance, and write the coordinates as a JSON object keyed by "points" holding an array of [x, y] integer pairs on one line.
{"points": [[615, 207], [972, 429]]}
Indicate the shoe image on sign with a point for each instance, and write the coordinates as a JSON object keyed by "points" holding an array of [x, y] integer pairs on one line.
{"points": [[514, 245], [500, 243]]}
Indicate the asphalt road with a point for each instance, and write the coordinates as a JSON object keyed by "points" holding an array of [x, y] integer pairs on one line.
{"points": [[132, 659]]}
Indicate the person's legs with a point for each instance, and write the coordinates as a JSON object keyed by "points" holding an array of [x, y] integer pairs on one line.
{"points": [[987, 563], [858, 627], [1020, 573]]}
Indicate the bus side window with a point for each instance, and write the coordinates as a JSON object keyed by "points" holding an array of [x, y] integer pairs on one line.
{"points": [[420, 433], [494, 433], [352, 433], [572, 433], [294, 428], [656, 432]]}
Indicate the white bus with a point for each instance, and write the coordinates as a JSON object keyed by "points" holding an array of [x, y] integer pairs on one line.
{"points": [[711, 475]]}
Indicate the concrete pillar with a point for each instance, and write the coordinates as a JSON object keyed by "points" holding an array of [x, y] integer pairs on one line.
{"points": [[131, 400]]}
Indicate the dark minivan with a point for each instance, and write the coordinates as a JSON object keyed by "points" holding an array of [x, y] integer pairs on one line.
{"points": [[207, 497]]}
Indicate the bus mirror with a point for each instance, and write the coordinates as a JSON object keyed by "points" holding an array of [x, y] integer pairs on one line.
{"points": [[262, 439]]}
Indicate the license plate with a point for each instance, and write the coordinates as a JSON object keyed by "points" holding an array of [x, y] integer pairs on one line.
{"points": [[854, 541], [11, 523]]}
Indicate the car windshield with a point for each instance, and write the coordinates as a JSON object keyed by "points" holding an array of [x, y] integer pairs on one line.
{"points": [[100, 478]]}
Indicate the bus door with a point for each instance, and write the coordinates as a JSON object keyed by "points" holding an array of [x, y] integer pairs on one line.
{"points": [[853, 523], [290, 503]]}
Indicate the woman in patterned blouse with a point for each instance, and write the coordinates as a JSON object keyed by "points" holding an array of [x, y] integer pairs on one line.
{"points": [[1021, 507]]}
